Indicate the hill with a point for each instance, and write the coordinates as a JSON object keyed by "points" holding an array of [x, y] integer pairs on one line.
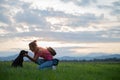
{"points": [[87, 57]]}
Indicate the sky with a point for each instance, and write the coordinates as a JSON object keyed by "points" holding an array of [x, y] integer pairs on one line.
{"points": [[71, 27]]}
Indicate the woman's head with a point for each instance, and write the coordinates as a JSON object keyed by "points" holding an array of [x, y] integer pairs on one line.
{"points": [[33, 46]]}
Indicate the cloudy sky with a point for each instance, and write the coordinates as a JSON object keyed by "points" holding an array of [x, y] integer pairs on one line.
{"points": [[72, 27]]}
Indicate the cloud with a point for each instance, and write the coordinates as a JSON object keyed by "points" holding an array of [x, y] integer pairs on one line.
{"points": [[88, 36], [84, 20], [32, 18], [81, 2], [116, 9], [112, 8], [68, 21], [3, 17], [28, 19], [114, 32]]}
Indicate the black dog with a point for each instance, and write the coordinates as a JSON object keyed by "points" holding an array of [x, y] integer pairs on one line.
{"points": [[18, 62]]}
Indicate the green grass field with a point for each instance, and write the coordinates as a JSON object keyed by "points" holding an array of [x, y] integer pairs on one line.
{"points": [[65, 71]]}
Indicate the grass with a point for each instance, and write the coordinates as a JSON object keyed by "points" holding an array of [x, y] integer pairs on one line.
{"points": [[65, 71]]}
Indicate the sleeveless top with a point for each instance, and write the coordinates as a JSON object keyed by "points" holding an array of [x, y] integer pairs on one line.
{"points": [[44, 53]]}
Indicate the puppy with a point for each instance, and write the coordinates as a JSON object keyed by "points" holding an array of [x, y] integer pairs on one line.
{"points": [[18, 62]]}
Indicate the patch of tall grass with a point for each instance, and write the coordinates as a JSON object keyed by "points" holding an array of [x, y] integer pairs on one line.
{"points": [[64, 71]]}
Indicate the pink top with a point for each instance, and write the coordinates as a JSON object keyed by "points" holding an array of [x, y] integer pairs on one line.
{"points": [[44, 53]]}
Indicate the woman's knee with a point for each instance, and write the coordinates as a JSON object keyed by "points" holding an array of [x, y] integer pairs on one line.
{"points": [[46, 64]]}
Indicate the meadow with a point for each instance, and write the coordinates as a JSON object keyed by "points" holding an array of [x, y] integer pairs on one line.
{"points": [[64, 71]]}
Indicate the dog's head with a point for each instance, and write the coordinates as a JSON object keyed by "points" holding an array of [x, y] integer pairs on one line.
{"points": [[22, 52]]}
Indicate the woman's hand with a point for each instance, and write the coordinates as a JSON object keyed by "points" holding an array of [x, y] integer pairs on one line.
{"points": [[26, 55]]}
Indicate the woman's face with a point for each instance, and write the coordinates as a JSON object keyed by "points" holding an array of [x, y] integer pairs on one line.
{"points": [[32, 48]]}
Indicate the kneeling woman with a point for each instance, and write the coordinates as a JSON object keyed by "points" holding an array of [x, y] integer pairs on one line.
{"points": [[47, 61]]}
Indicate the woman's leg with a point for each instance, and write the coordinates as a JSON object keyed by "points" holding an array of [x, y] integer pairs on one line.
{"points": [[40, 61], [46, 64]]}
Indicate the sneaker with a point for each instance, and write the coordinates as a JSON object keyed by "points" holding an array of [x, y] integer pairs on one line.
{"points": [[53, 67]]}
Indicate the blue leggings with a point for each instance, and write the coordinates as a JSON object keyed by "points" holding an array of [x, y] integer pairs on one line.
{"points": [[44, 64]]}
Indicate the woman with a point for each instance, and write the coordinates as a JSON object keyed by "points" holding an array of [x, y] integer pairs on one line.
{"points": [[46, 62]]}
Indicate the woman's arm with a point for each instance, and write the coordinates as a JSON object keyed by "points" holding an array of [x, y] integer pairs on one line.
{"points": [[32, 59]]}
